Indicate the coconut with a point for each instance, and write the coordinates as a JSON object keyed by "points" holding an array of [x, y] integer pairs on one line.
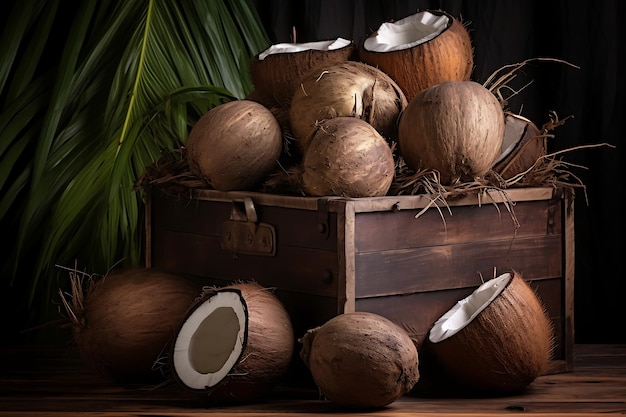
{"points": [[235, 145], [361, 360], [235, 344], [421, 50], [498, 339], [522, 145], [347, 157], [123, 322], [455, 128], [276, 72], [351, 89]]}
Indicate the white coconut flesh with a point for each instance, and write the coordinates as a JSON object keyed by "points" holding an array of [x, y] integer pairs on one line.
{"points": [[407, 33], [465, 310], [210, 341], [282, 48], [514, 129]]}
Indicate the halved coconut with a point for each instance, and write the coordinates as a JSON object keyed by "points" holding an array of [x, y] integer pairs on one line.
{"points": [[347, 157], [276, 72], [235, 146], [497, 339], [421, 50], [352, 89], [234, 345], [522, 146]]}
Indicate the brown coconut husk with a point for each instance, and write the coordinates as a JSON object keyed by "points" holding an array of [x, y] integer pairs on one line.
{"points": [[361, 360], [449, 56], [352, 89], [124, 321], [171, 174], [504, 347], [276, 77]]}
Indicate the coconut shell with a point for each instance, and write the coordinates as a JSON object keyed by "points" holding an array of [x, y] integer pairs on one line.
{"points": [[361, 360], [276, 76], [268, 347], [504, 347], [347, 157], [128, 320], [447, 57], [235, 146], [522, 147], [351, 89], [455, 128]]}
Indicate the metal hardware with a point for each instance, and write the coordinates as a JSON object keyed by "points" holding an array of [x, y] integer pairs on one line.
{"points": [[244, 234], [323, 226]]}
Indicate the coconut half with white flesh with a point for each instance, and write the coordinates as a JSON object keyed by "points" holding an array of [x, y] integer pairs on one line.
{"points": [[234, 345], [277, 71], [421, 50], [522, 146], [498, 339]]}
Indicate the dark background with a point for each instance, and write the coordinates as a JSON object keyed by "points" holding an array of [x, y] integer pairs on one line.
{"points": [[586, 34]]}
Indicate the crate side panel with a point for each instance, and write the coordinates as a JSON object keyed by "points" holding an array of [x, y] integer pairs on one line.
{"points": [[455, 266], [551, 294], [295, 227], [307, 270], [377, 231]]}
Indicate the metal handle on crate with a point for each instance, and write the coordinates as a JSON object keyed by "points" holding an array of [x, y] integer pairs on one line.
{"points": [[244, 234]]}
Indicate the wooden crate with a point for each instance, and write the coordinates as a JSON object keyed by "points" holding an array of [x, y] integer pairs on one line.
{"points": [[403, 257]]}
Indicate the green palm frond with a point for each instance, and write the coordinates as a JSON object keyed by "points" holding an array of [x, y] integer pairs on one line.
{"points": [[130, 80]]}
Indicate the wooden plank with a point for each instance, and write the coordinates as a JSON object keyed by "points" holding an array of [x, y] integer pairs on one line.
{"points": [[455, 266], [569, 261], [293, 227], [347, 268], [49, 381], [307, 270], [289, 201], [378, 231], [479, 198], [385, 203]]}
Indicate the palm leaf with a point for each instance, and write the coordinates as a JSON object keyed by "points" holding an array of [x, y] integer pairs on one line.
{"points": [[111, 112]]}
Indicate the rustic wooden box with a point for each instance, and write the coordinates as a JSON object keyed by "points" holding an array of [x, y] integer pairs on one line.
{"points": [[386, 255]]}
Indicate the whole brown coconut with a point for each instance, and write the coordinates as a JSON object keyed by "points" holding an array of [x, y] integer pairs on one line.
{"points": [[347, 157], [235, 345], [124, 322], [498, 339], [361, 360], [277, 71], [455, 127], [235, 145], [421, 50], [351, 89]]}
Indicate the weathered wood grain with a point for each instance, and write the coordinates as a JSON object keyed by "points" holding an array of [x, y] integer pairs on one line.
{"points": [[51, 381]]}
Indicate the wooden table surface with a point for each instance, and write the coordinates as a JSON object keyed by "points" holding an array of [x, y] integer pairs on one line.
{"points": [[52, 382]]}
